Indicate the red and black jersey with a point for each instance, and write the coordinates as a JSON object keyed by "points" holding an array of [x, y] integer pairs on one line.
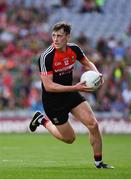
{"points": [[59, 64]]}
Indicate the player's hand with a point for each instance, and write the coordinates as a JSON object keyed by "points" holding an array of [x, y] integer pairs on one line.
{"points": [[102, 80], [81, 86]]}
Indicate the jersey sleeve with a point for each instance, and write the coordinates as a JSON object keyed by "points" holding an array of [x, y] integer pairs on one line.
{"points": [[79, 53], [45, 64]]}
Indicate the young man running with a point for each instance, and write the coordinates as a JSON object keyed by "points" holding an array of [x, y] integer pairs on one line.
{"points": [[60, 97]]}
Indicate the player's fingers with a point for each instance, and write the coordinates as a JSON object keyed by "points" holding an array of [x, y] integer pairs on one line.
{"points": [[87, 89], [102, 81], [82, 83]]}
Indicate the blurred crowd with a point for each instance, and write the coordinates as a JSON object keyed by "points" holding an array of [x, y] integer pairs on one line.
{"points": [[24, 35]]}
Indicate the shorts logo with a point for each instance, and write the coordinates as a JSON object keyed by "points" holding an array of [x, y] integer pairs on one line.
{"points": [[55, 120]]}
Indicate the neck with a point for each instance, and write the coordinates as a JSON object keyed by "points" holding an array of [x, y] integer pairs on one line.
{"points": [[63, 49]]}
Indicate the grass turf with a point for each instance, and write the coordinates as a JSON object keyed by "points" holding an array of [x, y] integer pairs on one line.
{"points": [[40, 156]]}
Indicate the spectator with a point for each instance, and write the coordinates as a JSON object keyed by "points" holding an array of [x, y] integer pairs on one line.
{"points": [[102, 47], [128, 32], [119, 51], [119, 105], [88, 6], [100, 5], [127, 94]]}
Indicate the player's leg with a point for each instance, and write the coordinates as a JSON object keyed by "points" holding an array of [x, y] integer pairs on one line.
{"points": [[63, 132], [84, 113]]}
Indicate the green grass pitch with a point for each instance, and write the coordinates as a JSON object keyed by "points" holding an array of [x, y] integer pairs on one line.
{"points": [[40, 156]]}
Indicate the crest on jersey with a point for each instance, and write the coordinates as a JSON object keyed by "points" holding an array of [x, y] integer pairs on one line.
{"points": [[66, 61], [73, 58]]}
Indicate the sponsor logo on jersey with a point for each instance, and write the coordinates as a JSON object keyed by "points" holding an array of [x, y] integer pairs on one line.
{"points": [[64, 68], [58, 63]]}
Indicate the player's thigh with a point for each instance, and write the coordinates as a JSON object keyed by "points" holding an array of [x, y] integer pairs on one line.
{"points": [[66, 131], [84, 113]]}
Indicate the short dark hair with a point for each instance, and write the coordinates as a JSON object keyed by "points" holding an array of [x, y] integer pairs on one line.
{"points": [[62, 25]]}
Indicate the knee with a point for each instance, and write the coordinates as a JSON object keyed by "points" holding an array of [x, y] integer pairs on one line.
{"points": [[93, 125], [69, 140]]}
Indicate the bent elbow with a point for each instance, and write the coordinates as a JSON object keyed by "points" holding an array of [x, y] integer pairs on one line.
{"points": [[48, 88]]}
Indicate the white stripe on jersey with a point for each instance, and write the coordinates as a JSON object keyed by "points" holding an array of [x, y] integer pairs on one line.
{"points": [[43, 68], [47, 50], [72, 44], [42, 55], [42, 58]]}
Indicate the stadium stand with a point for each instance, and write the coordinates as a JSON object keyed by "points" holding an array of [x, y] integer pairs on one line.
{"points": [[104, 35]]}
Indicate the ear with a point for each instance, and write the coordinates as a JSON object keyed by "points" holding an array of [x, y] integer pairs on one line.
{"points": [[68, 37]]}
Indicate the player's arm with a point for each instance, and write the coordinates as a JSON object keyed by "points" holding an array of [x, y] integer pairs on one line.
{"points": [[81, 57], [88, 65], [46, 72], [51, 86]]}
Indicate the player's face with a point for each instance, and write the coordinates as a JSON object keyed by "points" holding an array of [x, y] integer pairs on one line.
{"points": [[60, 39]]}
